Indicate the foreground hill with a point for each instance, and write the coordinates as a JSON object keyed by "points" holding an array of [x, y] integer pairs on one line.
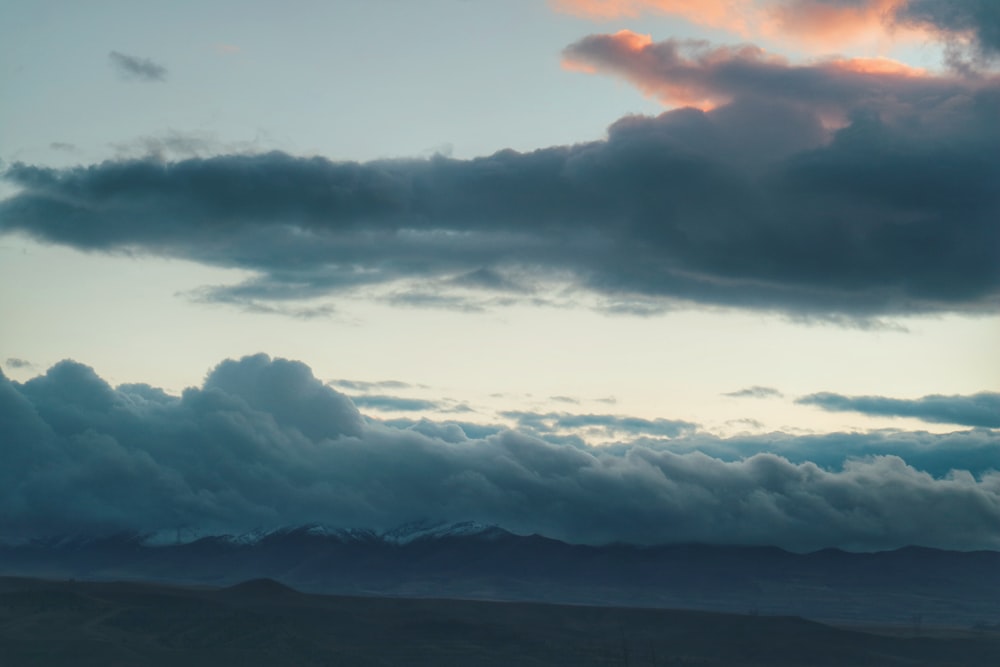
{"points": [[263, 622], [908, 587]]}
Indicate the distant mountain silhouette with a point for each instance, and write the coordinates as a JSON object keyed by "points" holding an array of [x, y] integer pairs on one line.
{"points": [[913, 585]]}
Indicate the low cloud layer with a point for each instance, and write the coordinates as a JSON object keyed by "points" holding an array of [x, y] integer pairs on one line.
{"points": [[981, 410], [132, 67], [263, 443]]}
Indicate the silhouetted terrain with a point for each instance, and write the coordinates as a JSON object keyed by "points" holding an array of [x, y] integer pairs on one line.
{"points": [[263, 622], [907, 587]]}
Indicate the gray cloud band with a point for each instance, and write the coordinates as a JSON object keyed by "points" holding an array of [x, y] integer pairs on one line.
{"points": [[263, 443], [982, 409], [760, 203]]}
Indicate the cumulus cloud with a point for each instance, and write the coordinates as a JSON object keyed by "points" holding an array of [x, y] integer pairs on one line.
{"points": [[981, 410], [844, 190], [263, 443], [132, 67]]}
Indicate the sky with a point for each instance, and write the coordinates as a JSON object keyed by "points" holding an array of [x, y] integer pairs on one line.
{"points": [[646, 270]]}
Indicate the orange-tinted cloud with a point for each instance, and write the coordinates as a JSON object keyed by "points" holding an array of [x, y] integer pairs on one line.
{"points": [[816, 25], [726, 14], [693, 73], [831, 25], [670, 71], [878, 66]]}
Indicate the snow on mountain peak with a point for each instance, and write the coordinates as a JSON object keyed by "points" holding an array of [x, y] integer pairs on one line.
{"points": [[420, 530]]}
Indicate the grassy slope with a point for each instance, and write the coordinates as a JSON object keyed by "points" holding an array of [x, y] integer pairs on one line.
{"points": [[263, 623]]}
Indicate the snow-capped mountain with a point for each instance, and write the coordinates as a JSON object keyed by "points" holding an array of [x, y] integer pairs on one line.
{"points": [[426, 530], [401, 535]]}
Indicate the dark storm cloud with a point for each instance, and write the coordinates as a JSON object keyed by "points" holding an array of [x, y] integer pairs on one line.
{"points": [[756, 204], [755, 392], [979, 410], [132, 67], [263, 443]]}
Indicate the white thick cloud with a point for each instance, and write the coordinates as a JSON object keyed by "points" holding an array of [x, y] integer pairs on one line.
{"points": [[262, 443]]}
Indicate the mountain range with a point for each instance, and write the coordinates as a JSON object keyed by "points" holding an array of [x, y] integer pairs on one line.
{"points": [[914, 586]]}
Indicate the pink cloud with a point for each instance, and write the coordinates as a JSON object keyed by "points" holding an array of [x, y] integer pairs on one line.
{"points": [[726, 14], [815, 25], [696, 74]]}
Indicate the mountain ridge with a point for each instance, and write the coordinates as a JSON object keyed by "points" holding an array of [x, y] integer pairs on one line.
{"points": [[472, 560]]}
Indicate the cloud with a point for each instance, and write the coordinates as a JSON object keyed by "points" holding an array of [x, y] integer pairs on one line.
{"points": [[132, 67], [973, 23], [262, 443], [234, 297], [396, 403], [549, 423], [736, 15], [835, 25], [361, 385], [448, 431], [173, 144], [838, 191], [968, 27], [938, 455], [755, 392], [845, 190], [819, 26], [815, 25], [694, 73], [18, 363], [980, 410]]}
